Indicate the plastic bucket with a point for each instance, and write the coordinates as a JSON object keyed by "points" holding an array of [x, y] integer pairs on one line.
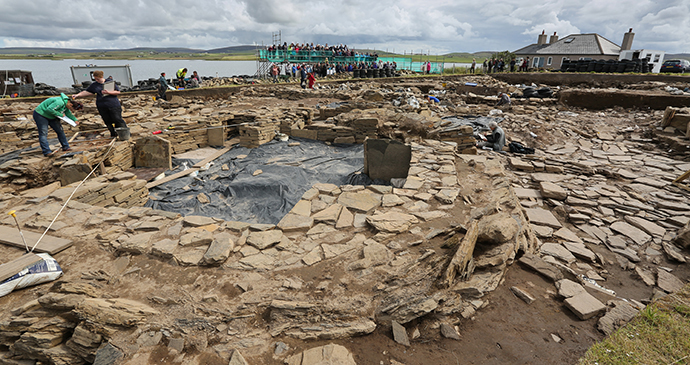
{"points": [[122, 133]]}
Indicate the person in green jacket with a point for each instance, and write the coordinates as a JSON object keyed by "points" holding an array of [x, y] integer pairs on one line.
{"points": [[47, 114]]}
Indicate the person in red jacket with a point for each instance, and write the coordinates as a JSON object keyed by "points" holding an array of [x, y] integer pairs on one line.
{"points": [[311, 80]]}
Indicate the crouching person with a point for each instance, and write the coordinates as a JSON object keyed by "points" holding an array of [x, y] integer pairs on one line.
{"points": [[496, 139]]}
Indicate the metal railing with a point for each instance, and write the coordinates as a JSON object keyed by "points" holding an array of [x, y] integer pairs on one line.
{"points": [[308, 56]]}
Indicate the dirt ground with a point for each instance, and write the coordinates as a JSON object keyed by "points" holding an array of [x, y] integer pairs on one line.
{"points": [[505, 331]]}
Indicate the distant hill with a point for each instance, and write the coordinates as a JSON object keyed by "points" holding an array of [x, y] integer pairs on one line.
{"points": [[673, 56], [41, 50], [233, 49], [45, 50]]}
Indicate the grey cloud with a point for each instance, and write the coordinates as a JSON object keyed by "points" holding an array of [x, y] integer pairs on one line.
{"points": [[439, 26]]}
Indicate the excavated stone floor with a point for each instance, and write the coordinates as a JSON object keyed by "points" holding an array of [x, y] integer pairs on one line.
{"points": [[591, 219]]}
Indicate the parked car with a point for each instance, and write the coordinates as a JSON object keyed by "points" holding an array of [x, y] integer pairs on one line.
{"points": [[681, 66]]}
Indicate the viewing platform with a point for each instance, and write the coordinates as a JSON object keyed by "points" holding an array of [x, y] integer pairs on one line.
{"points": [[307, 56]]}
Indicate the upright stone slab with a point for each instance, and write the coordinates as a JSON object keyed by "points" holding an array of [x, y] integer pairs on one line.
{"points": [[74, 170], [386, 159], [216, 136], [152, 151]]}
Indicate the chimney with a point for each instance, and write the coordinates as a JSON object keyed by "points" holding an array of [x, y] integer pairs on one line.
{"points": [[553, 39], [627, 40], [542, 39]]}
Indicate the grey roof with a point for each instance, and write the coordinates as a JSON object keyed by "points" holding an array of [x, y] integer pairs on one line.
{"points": [[581, 44], [531, 49]]}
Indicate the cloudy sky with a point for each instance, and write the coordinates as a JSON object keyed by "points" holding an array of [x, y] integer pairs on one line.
{"points": [[437, 27]]}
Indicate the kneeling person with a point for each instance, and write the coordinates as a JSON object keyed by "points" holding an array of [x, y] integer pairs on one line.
{"points": [[496, 140]]}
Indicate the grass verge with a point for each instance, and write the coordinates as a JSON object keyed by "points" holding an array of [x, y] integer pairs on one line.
{"points": [[659, 334]]}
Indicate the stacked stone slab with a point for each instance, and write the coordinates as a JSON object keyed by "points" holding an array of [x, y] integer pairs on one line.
{"points": [[365, 127], [463, 136], [253, 136], [119, 190], [190, 136], [9, 141], [325, 113], [119, 159]]}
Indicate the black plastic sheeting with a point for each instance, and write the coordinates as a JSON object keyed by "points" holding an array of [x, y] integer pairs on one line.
{"points": [[479, 124], [15, 155], [288, 172]]}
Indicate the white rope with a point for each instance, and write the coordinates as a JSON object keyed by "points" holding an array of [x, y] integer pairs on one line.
{"points": [[75, 190]]}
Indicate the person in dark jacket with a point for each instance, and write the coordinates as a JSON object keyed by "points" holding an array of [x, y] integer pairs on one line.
{"points": [[496, 140], [162, 86], [48, 113], [107, 103], [303, 76]]}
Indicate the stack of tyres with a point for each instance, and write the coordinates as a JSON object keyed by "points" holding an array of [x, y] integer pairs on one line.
{"points": [[621, 67], [582, 66], [545, 92], [607, 66], [529, 92], [565, 65], [355, 74], [370, 73], [599, 66]]}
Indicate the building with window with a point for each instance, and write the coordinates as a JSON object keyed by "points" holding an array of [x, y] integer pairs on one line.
{"points": [[590, 46]]}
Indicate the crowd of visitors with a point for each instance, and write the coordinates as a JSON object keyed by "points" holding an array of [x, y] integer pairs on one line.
{"points": [[286, 70], [341, 50], [498, 65]]}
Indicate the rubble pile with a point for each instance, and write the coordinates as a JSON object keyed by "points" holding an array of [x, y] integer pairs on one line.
{"points": [[71, 324]]}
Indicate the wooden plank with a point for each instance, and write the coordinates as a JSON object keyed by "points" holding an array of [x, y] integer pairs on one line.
{"points": [[9, 269], [682, 177], [170, 178], [196, 167], [10, 236], [214, 156], [73, 137]]}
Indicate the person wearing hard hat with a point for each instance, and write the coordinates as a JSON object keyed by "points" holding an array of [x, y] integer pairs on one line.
{"points": [[47, 114]]}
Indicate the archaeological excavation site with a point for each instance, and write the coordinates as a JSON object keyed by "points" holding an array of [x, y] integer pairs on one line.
{"points": [[355, 223]]}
